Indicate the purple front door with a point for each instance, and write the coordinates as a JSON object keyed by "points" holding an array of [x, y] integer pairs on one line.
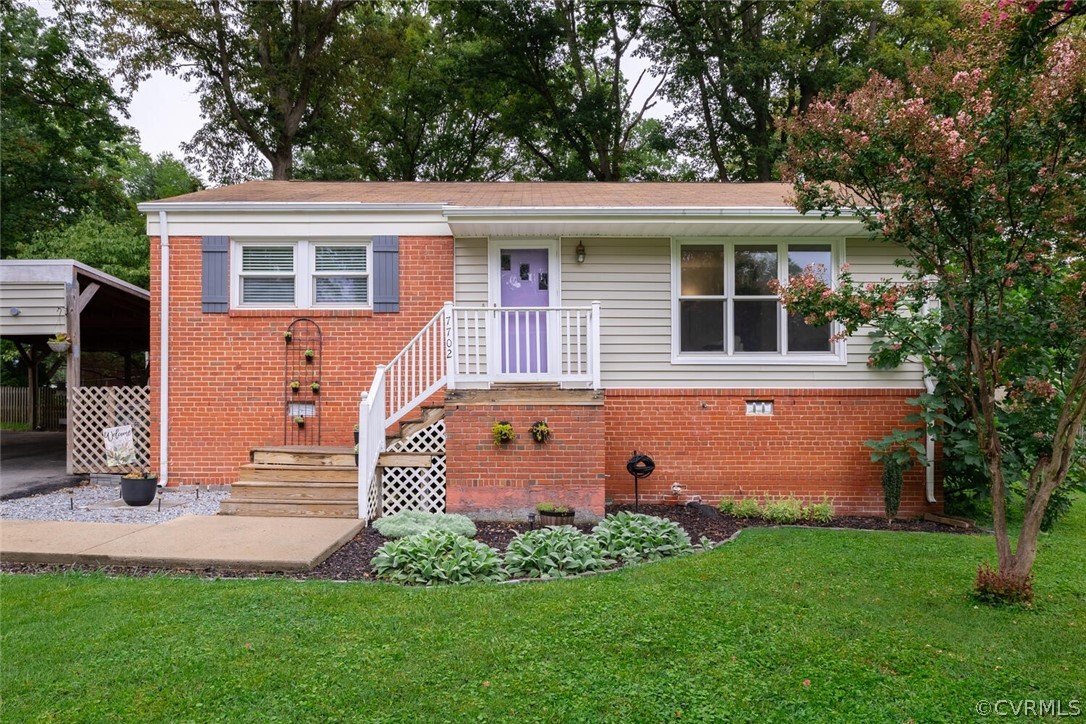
{"points": [[525, 282]]}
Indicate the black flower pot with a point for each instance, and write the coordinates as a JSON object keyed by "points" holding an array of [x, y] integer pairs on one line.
{"points": [[139, 491]]}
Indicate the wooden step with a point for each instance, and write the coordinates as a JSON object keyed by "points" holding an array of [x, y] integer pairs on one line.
{"points": [[300, 509], [302, 455], [430, 415], [405, 460], [292, 492], [261, 472]]}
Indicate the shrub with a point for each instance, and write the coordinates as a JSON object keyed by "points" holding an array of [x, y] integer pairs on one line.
{"points": [[437, 557], [636, 537], [819, 512], [553, 509], [727, 505], [782, 510], [553, 552], [993, 588], [892, 474], [413, 522], [747, 508]]}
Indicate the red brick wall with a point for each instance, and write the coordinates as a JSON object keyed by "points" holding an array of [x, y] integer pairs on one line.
{"points": [[227, 370], [486, 481], [812, 446]]}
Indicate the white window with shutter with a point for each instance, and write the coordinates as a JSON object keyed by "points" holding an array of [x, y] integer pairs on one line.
{"points": [[301, 274]]}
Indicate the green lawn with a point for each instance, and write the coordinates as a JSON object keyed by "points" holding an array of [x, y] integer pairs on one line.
{"points": [[879, 623]]}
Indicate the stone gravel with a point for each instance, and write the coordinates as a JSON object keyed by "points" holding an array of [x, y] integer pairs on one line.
{"points": [[93, 503]]}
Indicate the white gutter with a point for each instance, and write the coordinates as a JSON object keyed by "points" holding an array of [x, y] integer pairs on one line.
{"points": [[259, 206], [629, 211], [929, 441], [163, 350]]}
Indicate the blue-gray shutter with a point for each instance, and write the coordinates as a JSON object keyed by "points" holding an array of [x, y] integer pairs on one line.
{"points": [[215, 275], [386, 274]]}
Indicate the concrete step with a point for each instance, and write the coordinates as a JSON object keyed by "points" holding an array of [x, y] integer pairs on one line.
{"points": [[302, 455], [261, 472], [289, 509], [293, 492]]}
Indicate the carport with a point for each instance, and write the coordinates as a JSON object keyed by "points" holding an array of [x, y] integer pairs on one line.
{"points": [[100, 313]]}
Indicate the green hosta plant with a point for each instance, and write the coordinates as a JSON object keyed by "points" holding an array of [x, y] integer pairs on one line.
{"points": [[783, 510], [435, 558], [554, 552], [747, 508], [413, 522], [635, 537], [819, 512]]}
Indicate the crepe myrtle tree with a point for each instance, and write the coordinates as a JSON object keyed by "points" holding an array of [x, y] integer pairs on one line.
{"points": [[975, 168]]}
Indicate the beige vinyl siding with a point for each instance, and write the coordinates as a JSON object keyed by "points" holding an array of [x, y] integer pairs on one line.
{"points": [[41, 308], [631, 278]]}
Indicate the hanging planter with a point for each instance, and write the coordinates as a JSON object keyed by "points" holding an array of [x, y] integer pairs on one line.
{"points": [[288, 336], [295, 385], [316, 387], [540, 431], [503, 433], [59, 343], [299, 421], [309, 355]]}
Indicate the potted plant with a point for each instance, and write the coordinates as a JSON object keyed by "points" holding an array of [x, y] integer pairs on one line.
{"points": [[139, 488], [356, 438], [288, 336], [59, 342], [309, 355], [554, 514], [503, 432], [540, 431], [299, 421], [316, 387], [295, 385]]}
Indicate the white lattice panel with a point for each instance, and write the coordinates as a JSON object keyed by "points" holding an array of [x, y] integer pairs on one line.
{"points": [[95, 408], [414, 488], [428, 439]]}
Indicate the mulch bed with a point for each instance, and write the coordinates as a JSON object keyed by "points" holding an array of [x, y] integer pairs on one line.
{"points": [[352, 561]]}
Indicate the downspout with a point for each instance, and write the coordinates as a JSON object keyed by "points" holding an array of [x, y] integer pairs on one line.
{"points": [[163, 350], [929, 441]]}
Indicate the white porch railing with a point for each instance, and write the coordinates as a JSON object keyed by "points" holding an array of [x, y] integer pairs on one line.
{"points": [[474, 346], [524, 344], [371, 443]]}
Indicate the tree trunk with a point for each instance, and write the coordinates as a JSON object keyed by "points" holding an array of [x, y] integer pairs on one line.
{"points": [[282, 163]]}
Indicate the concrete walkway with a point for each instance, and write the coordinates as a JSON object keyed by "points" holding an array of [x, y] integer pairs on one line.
{"points": [[194, 541]]}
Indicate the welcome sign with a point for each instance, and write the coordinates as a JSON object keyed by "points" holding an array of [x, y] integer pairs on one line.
{"points": [[119, 446]]}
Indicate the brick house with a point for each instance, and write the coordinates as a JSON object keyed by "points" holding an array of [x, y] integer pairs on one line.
{"points": [[626, 316]]}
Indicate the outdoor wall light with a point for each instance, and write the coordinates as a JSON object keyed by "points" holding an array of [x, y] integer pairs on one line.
{"points": [[580, 252]]}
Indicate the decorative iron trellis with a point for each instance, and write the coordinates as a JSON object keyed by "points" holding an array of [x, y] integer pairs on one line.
{"points": [[302, 365]]}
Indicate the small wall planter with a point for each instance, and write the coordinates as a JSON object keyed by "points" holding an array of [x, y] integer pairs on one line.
{"points": [[540, 432], [139, 491], [502, 433]]}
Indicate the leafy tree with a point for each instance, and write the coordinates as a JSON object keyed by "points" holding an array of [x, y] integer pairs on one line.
{"points": [[976, 168], [430, 117], [736, 68], [559, 66], [60, 144], [268, 75]]}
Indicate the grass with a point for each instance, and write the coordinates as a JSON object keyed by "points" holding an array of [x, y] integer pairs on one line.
{"points": [[879, 624]]}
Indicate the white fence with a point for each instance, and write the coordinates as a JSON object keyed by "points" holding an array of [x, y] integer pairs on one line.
{"points": [[96, 408], [15, 407]]}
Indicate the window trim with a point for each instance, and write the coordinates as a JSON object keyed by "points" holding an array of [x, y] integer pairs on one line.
{"points": [[838, 354], [305, 264]]}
